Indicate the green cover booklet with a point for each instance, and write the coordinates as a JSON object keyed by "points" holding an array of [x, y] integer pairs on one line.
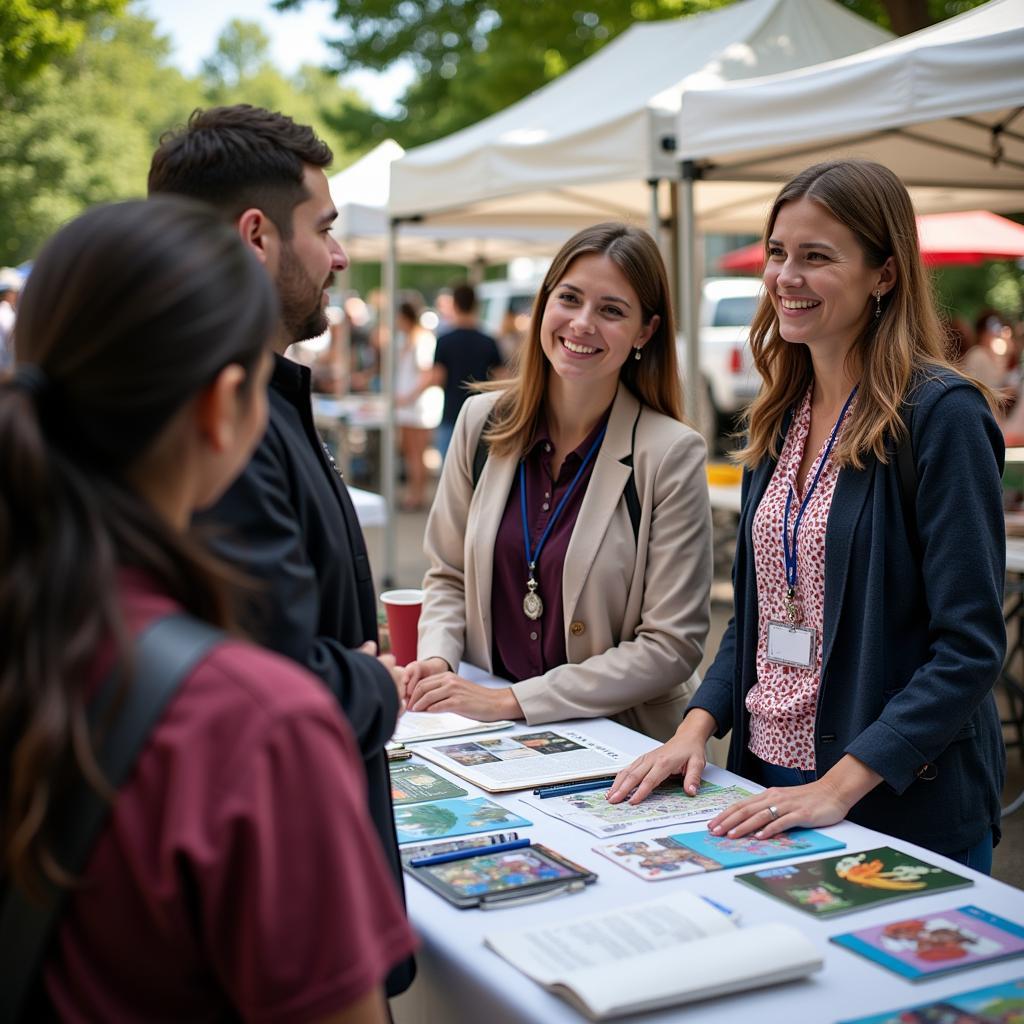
{"points": [[832, 886]]}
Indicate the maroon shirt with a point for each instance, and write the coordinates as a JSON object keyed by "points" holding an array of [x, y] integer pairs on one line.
{"points": [[523, 647], [239, 876]]}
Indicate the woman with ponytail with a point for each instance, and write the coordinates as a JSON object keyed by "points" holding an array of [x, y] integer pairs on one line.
{"points": [[237, 874]]}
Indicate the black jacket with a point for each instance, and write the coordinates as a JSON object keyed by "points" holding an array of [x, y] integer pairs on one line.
{"points": [[289, 523], [913, 633]]}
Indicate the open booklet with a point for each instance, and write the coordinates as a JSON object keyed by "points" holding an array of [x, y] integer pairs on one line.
{"points": [[537, 757], [418, 726], [653, 955]]}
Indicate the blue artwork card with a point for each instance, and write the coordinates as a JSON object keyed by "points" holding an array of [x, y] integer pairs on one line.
{"points": [[443, 819]]}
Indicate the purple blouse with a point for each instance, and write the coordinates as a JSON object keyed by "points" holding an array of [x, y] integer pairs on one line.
{"points": [[523, 647]]}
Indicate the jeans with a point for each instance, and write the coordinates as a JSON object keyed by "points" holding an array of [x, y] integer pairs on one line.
{"points": [[443, 437], [978, 856]]}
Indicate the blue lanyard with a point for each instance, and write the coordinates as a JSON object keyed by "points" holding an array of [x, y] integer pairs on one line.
{"points": [[789, 553], [532, 556]]}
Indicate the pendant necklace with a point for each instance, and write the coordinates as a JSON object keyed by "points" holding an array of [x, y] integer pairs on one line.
{"points": [[533, 606]]}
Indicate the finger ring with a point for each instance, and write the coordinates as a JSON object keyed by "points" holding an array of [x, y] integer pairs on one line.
{"points": [[774, 812]]}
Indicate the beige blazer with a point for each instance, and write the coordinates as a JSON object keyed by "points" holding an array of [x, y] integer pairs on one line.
{"points": [[636, 612]]}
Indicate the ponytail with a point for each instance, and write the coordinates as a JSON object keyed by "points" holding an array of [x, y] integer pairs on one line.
{"points": [[129, 313]]}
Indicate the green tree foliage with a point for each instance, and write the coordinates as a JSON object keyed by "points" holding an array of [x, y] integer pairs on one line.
{"points": [[475, 57], [240, 70], [83, 130], [34, 33]]}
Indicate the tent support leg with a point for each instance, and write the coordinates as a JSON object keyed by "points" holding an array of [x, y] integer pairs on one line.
{"points": [[689, 289], [389, 377]]}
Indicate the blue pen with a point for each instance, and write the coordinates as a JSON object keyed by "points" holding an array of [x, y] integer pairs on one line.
{"points": [[728, 911], [575, 787], [473, 851]]}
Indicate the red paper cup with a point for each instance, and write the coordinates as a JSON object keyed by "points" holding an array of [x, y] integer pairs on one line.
{"points": [[403, 612]]}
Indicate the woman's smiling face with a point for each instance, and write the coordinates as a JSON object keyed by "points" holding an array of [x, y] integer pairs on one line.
{"points": [[818, 278], [592, 321]]}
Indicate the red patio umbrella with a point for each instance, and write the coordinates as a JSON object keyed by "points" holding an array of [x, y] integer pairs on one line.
{"points": [[946, 239]]}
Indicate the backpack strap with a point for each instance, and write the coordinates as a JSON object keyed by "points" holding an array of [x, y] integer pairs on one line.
{"points": [[165, 653]]}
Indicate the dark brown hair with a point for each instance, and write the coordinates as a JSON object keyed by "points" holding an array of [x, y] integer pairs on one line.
{"points": [[654, 381], [130, 312], [238, 158], [464, 297]]}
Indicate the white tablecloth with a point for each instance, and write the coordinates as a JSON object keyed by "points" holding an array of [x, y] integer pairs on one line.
{"points": [[462, 982]]}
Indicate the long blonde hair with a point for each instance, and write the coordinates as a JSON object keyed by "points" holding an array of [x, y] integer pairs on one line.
{"points": [[904, 341], [654, 380]]}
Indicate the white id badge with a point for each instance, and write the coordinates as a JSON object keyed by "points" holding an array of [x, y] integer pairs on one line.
{"points": [[792, 645]]}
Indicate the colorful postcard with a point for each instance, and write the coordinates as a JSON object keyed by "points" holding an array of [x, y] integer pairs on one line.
{"points": [[839, 885], [416, 783], [654, 858], [445, 818], [994, 1004], [934, 944], [667, 805]]}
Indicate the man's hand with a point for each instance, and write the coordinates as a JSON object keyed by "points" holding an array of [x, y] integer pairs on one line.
{"points": [[398, 674]]}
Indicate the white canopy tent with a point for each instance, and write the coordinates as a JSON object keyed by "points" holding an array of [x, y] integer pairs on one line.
{"points": [[582, 148], [361, 192], [943, 107], [599, 142]]}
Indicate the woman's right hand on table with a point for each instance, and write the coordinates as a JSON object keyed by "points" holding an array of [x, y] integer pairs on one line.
{"points": [[683, 754]]}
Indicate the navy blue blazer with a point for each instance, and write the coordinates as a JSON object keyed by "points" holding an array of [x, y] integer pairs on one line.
{"points": [[913, 632]]}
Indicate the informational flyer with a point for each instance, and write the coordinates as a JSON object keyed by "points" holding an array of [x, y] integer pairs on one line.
{"points": [[522, 760], [667, 805]]}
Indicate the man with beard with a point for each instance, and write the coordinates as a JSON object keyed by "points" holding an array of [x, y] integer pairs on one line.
{"points": [[288, 522]]}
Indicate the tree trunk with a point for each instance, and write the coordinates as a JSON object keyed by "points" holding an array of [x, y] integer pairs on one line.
{"points": [[908, 15]]}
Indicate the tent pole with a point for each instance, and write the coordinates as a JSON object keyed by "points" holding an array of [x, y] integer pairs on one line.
{"points": [[389, 378], [689, 289], [655, 224]]}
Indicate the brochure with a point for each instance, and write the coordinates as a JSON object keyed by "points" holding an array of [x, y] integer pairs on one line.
{"points": [[667, 805], [417, 726], [654, 858], [418, 783], [832, 886], [523, 760], [929, 945], [652, 955], [446, 818], [994, 1004]]}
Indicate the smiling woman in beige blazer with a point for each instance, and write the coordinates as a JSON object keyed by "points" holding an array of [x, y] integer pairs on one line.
{"points": [[587, 455]]}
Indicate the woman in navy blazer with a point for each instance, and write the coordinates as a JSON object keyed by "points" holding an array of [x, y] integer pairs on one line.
{"points": [[902, 731]]}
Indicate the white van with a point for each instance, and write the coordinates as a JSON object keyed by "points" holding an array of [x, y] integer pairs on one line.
{"points": [[730, 380]]}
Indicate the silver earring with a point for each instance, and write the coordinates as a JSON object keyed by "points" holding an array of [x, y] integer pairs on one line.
{"points": [[636, 354], [878, 303]]}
